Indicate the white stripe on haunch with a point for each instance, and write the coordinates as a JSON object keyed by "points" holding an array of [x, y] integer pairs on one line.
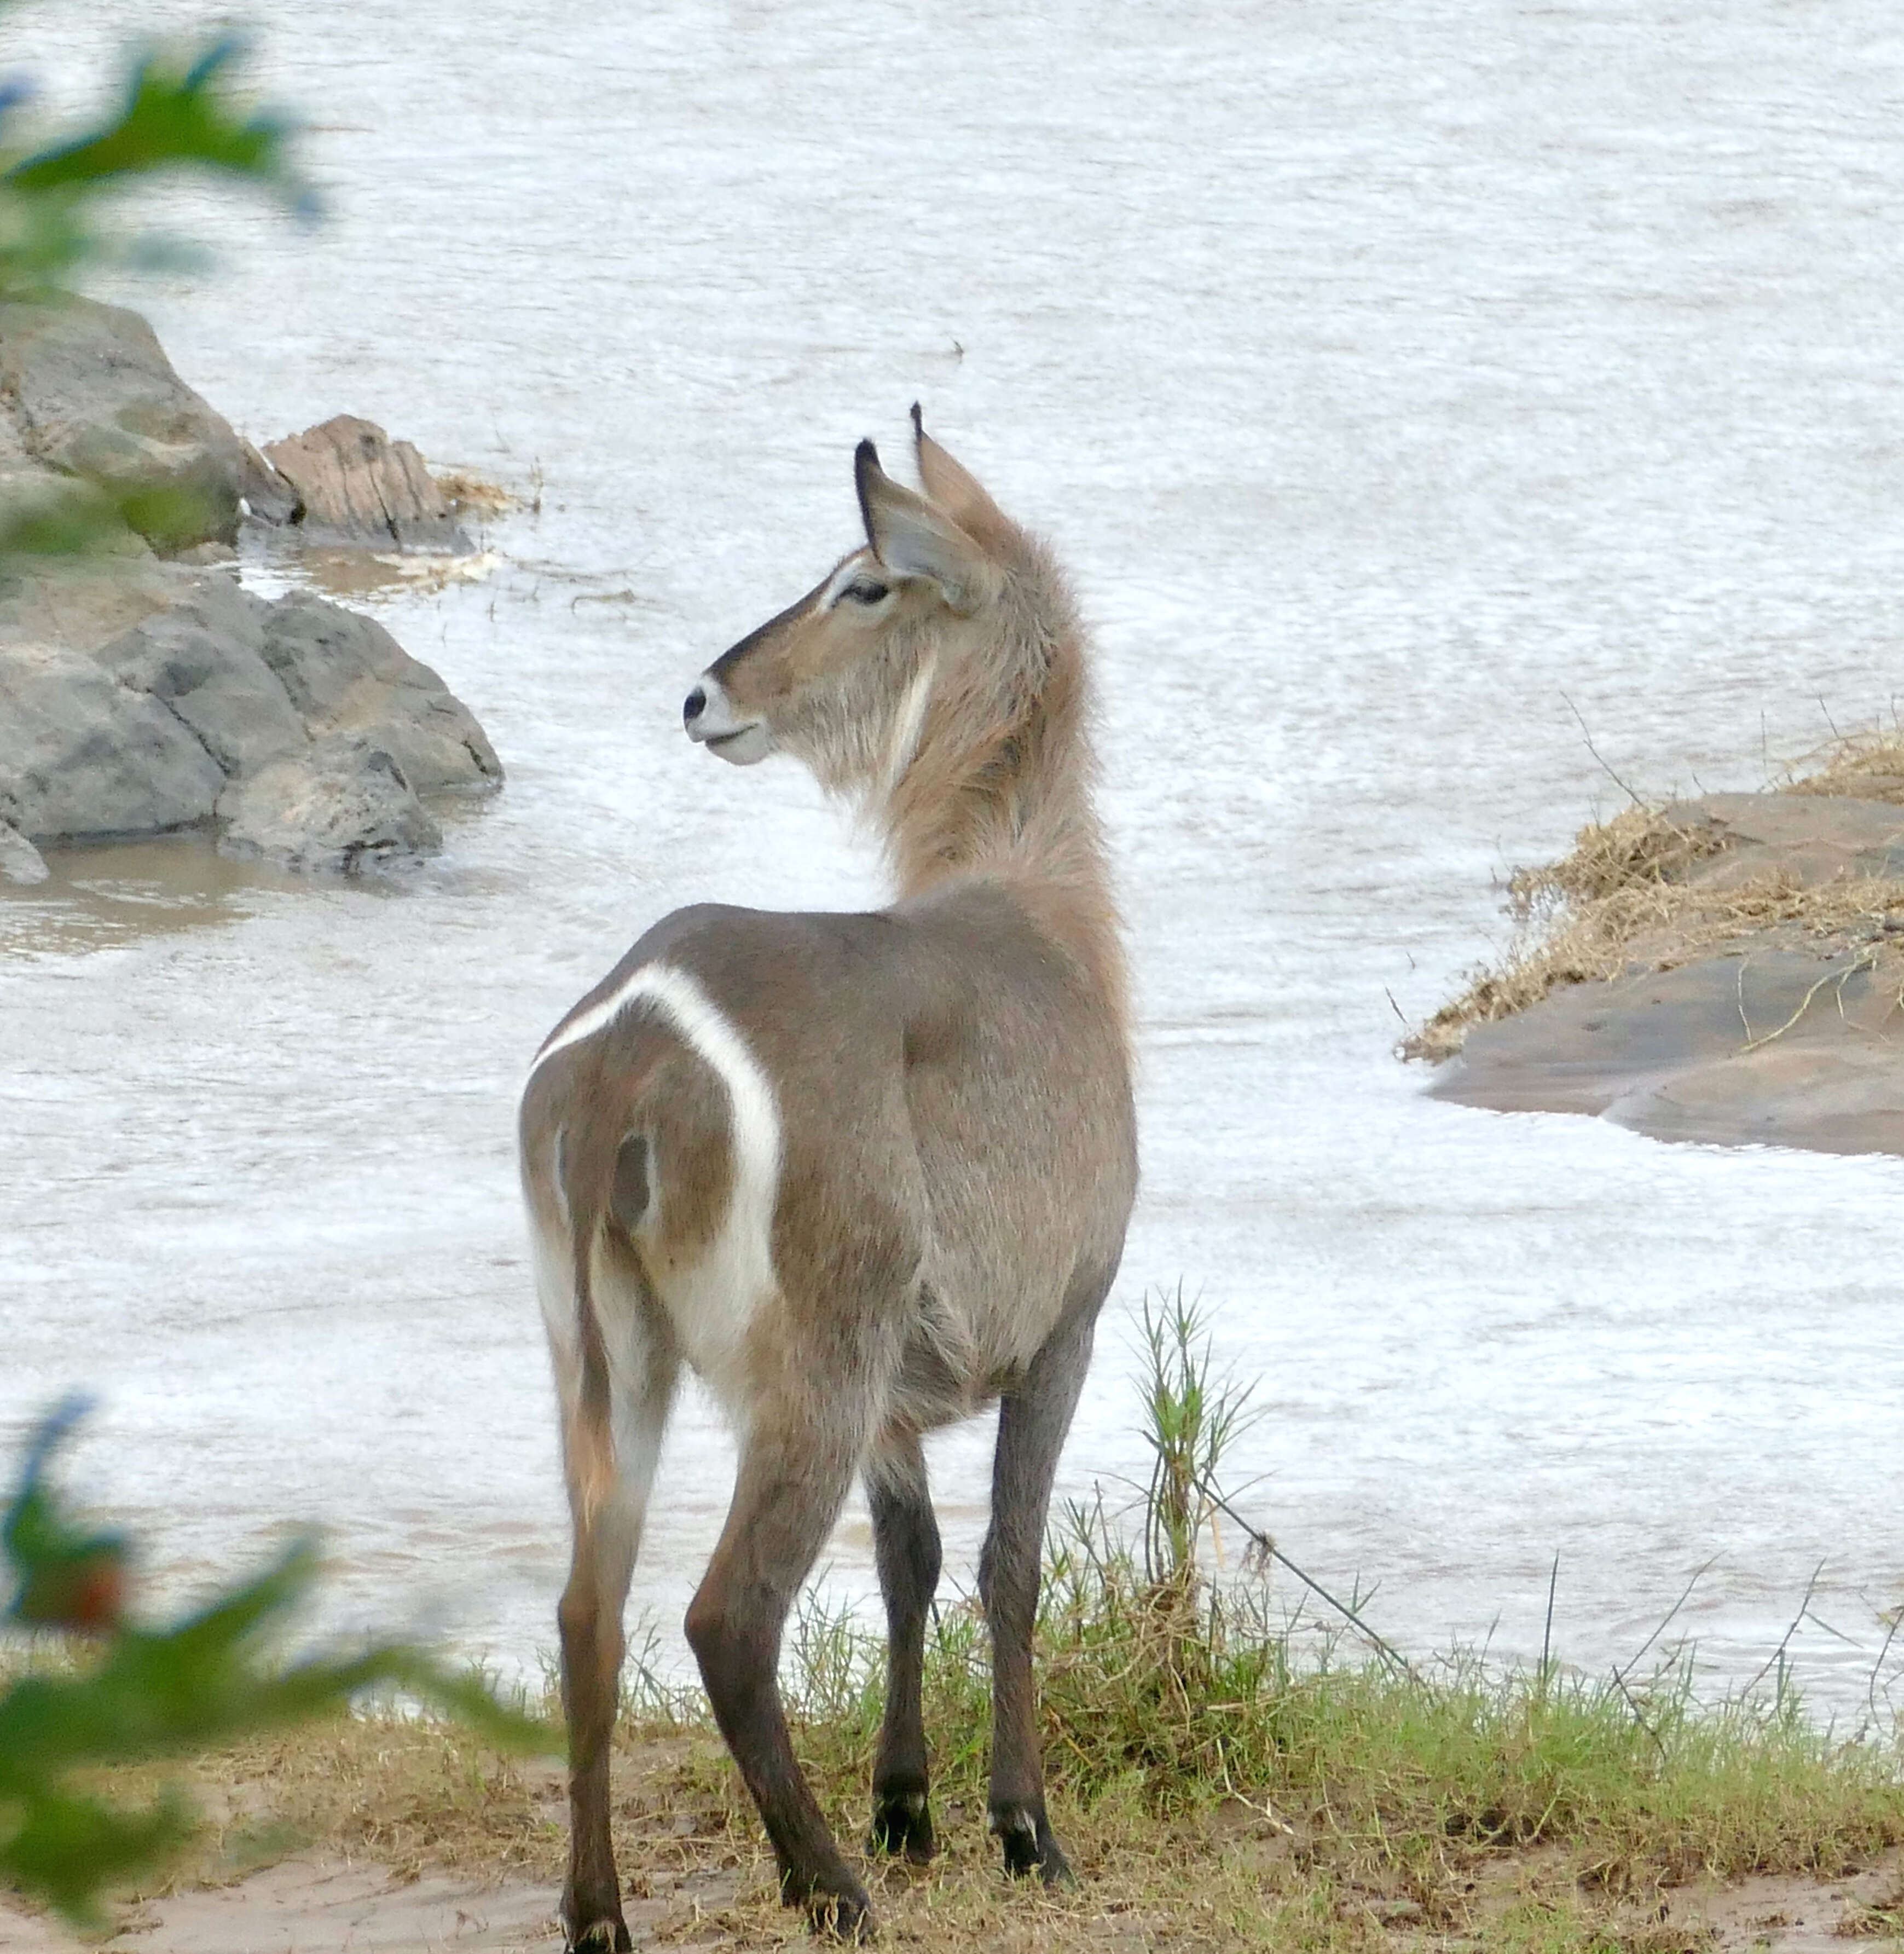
{"points": [[711, 1303]]}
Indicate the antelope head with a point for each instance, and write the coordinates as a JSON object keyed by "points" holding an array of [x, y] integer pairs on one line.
{"points": [[843, 679]]}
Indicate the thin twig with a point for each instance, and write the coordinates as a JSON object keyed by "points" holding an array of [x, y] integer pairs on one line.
{"points": [[1547, 1634], [1268, 1548], [1686, 1595], [1870, 1688], [1600, 756], [1639, 1715], [1777, 1654], [1865, 961]]}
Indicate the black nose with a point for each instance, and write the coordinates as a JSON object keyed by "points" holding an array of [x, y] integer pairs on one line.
{"points": [[697, 704]]}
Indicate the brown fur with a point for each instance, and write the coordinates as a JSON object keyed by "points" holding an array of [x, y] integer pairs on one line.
{"points": [[946, 1083]]}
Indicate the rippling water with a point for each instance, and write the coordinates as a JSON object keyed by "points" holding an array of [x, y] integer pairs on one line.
{"points": [[1398, 381]]}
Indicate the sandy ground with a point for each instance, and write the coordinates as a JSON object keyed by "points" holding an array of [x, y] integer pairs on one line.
{"points": [[304, 1905], [316, 1905]]}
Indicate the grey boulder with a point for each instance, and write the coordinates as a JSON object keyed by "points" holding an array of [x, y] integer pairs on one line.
{"points": [[339, 804], [81, 754], [21, 861], [87, 392], [133, 694], [204, 660], [344, 673]]}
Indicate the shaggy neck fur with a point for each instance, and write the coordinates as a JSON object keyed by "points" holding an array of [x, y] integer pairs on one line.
{"points": [[1001, 781]]}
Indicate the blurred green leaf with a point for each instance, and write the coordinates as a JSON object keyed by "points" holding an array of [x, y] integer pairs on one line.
{"points": [[211, 1678], [176, 113]]}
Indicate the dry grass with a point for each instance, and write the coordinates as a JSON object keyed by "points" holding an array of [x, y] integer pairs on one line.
{"points": [[1216, 1788], [1631, 896], [469, 493], [1867, 766]]}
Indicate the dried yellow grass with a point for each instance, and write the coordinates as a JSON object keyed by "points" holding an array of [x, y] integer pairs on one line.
{"points": [[1627, 900], [1867, 766], [469, 493]]}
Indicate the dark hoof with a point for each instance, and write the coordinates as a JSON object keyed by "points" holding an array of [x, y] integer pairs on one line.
{"points": [[603, 1935], [902, 1822], [1029, 1845], [846, 1916]]}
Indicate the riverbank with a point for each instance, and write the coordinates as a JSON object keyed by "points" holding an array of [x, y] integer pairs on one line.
{"points": [[1345, 1808]]}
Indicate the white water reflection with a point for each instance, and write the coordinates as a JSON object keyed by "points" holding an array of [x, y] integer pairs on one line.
{"points": [[1390, 377]]}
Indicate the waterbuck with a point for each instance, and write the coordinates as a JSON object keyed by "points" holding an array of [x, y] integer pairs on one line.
{"points": [[865, 1173]]}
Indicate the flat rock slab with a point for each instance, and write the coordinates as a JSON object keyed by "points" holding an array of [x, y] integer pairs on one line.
{"points": [[357, 485], [1768, 1040], [1814, 838], [1676, 1053]]}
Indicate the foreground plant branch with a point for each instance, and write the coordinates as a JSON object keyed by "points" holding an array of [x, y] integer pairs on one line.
{"points": [[132, 1692]]}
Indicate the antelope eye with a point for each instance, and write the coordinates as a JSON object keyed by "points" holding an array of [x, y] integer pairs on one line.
{"points": [[864, 590]]}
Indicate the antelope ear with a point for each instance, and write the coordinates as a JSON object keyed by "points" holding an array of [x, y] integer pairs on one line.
{"points": [[954, 489], [912, 538]]}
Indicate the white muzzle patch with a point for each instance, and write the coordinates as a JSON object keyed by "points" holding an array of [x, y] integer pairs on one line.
{"points": [[714, 724]]}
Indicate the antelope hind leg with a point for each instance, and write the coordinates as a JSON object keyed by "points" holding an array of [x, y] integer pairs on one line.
{"points": [[906, 1542], [1032, 1422], [794, 1477], [590, 1617]]}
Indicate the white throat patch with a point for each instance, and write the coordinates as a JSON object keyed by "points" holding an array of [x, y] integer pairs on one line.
{"points": [[909, 722]]}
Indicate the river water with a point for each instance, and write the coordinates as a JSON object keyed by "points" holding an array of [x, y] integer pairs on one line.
{"points": [[1398, 381]]}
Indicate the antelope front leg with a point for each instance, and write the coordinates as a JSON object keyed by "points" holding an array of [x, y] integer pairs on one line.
{"points": [[791, 1485], [905, 1542], [1032, 1421]]}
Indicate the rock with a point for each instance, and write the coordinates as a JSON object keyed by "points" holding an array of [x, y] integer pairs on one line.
{"points": [[1813, 837], [81, 754], [88, 393], [340, 804], [21, 861], [133, 694], [344, 672], [204, 658], [356, 485], [139, 695], [1780, 1036]]}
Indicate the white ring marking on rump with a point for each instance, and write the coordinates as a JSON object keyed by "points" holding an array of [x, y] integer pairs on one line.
{"points": [[711, 1303]]}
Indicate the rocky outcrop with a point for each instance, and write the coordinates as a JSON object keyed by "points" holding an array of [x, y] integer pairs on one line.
{"points": [[133, 698], [1764, 1004], [139, 695], [86, 394], [356, 485]]}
